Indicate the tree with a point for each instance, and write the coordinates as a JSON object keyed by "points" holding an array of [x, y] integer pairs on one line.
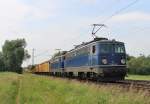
{"points": [[129, 57], [2, 65], [59, 53], [139, 65], [14, 54]]}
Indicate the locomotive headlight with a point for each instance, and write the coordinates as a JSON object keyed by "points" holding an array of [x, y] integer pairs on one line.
{"points": [[123, 61], [104, 61]]}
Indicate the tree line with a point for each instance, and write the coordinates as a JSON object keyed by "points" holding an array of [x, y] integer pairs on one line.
{"points": [[138, 65], [12, 55]]}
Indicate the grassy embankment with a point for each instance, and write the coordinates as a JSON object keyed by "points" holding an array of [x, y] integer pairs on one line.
{"points": [[33, 89], [139, 77]]}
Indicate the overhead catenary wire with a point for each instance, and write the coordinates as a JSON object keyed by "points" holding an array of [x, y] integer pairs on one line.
{"points": [[42, 54], [114, 14], [120, 10], [103, 22]]}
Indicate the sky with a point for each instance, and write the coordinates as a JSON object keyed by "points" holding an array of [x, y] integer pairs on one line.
{"points": [[48, 25]]}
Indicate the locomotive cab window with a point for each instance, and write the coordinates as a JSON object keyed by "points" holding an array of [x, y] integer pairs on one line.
{"points": [[93, 49], [119, 48], [106, 48]]}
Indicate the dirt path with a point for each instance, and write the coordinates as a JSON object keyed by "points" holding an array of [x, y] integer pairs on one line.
{"points": [[18, 89]]}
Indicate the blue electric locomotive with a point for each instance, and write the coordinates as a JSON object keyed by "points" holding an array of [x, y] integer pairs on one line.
{"points": [[100, 58]]}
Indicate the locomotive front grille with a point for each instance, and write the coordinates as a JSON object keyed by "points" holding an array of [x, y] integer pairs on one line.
{"points": [[114, 71]]}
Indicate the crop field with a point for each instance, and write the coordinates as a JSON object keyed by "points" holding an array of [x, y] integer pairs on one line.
{"points": [[139, 77], [34, 89]]}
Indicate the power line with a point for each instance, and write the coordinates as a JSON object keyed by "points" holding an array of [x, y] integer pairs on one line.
{"points": [[120, 10], [44, 53], [117, 12]]}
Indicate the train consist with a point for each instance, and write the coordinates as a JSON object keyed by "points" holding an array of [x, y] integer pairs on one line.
{"points": [[97, 59]]}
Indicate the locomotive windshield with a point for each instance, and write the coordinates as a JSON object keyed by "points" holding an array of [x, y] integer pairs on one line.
{"points": [[119, 48], [109, 48], [106, 48]]}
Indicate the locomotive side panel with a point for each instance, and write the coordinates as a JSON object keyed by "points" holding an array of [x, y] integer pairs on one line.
{"points": [[77, 60]]}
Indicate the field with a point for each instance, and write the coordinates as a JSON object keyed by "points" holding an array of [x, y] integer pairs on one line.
{"points": [[138, 77], [33, 89]]}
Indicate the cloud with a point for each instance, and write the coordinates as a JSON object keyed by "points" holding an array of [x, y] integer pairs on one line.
{"points": [[88, 1], [15, 16], [14, 13], [131, 17], [43, 9], [11, 14], [42, 22]]}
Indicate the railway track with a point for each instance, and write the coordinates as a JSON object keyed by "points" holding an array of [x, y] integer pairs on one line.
{"points": [[128, 85], [134, 85]]}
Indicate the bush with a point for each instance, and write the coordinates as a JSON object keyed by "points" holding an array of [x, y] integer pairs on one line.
{"points": [[139, 65]]}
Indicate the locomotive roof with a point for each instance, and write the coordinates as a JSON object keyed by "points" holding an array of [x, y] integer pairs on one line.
{"points": [[100, 40]]}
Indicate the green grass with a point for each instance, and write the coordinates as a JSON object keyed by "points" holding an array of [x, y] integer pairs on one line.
{"points": [[33, 89], [138, 77], [8, 88]]}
